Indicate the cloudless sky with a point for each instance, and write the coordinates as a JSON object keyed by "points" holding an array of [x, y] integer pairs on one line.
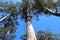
{"points": [[52, 23]]}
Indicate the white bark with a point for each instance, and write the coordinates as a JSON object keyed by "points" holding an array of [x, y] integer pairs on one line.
{"points": [[30, 31], [49, 9], [4, 17]]}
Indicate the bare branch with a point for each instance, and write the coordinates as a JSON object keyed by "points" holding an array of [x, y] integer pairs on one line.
{"points": [[7, 32], [48, 9], [51, 12], [4, 17]]}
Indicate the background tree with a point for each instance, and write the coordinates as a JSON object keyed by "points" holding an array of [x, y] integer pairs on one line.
{"points": [[44, 35]]}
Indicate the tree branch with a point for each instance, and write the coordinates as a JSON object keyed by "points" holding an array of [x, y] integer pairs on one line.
{"points": [[51, 12], [4, 17], [48, 10]]}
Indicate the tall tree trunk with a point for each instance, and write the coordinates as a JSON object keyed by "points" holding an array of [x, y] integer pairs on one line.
{"points": [[30, 30]]}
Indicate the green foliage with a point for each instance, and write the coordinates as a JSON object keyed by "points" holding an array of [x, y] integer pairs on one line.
{"points": [[32, 5], [42, 35], [35, 8]]}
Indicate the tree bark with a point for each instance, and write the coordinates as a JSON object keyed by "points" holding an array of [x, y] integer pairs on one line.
{"points": [[30, 30]]}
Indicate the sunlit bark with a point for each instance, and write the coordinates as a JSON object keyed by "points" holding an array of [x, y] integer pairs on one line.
{"points": [[4, 17], [30, 30]]}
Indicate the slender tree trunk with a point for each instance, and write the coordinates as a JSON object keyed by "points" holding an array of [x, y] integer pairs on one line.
{"points": [[30, 30]]}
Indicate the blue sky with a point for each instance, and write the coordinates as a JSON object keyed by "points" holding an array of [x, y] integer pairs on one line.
{"points": [[52, 23]]}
